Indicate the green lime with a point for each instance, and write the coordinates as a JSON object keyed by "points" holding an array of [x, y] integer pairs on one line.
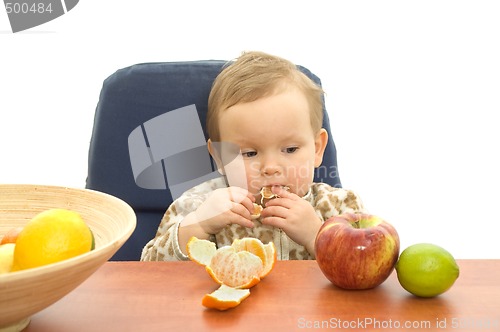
{"points": [[426, 270]]}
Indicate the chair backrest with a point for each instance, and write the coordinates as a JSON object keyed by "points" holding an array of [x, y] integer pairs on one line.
{"points": [[128, 161]]}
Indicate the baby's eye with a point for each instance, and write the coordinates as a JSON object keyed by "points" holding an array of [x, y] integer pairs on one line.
{"points": [[291, 149], [249, 154]]}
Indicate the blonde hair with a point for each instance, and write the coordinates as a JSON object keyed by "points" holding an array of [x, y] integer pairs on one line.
{"points": [[255, 75]]}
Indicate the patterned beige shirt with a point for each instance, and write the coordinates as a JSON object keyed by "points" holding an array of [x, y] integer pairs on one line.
{"points": [[326, 200]]}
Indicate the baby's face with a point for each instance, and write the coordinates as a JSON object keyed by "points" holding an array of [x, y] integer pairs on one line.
{"points": [[276, 140]]}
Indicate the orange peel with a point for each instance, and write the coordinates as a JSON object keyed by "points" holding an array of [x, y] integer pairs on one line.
{"points": [[225, 298], [266, 193], [201, 251]]}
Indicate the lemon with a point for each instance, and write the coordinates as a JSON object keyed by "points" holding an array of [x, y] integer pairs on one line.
{"points": [[52, 236], [426, 270]]}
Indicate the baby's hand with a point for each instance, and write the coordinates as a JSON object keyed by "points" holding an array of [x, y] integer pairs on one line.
{"points": [[294, 215], [224, 207]]}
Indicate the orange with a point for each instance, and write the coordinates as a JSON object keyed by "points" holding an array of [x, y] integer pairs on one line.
{"points": [[11, 235], [225, 298], [238, 269], [52, 236], [241, 265]]}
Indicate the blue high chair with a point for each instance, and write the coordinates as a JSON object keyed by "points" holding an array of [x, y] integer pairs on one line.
{"points": [[149, 128]]}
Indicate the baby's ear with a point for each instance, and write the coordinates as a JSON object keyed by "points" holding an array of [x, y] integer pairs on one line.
{"points": [[320, 143], [215, 153]]}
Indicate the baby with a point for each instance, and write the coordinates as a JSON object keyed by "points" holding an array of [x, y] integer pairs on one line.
{"points": [[266, 109]]}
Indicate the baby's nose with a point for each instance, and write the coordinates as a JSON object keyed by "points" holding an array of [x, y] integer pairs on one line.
{"points": [[271, 167]]}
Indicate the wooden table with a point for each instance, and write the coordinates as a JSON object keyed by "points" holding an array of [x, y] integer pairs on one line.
{"points": [[166, 296]]}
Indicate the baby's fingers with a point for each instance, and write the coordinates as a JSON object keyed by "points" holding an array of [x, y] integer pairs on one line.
{"points": [[240, 215], [243, 197]]}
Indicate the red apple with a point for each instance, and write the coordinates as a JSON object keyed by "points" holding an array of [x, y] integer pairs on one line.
{"points": [[356, 251]]}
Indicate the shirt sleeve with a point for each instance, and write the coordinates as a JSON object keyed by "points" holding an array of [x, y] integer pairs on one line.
{"points": [[330, 201], [165, 245]]}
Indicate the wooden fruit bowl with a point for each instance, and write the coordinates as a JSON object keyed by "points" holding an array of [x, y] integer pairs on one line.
{"points": [[27, 292]]}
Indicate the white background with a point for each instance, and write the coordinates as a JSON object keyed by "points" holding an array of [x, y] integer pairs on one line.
{"points": [[412, 91]]}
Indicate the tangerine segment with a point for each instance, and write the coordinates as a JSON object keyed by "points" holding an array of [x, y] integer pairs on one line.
{"points": [[257, 209], [201, 251], [271, 257], [235, 269], [249, 284], [266, 252], [225, 298], [252, 245]]}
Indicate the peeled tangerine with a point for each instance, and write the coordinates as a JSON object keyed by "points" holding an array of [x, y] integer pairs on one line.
{"points": [[236, 268]]}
